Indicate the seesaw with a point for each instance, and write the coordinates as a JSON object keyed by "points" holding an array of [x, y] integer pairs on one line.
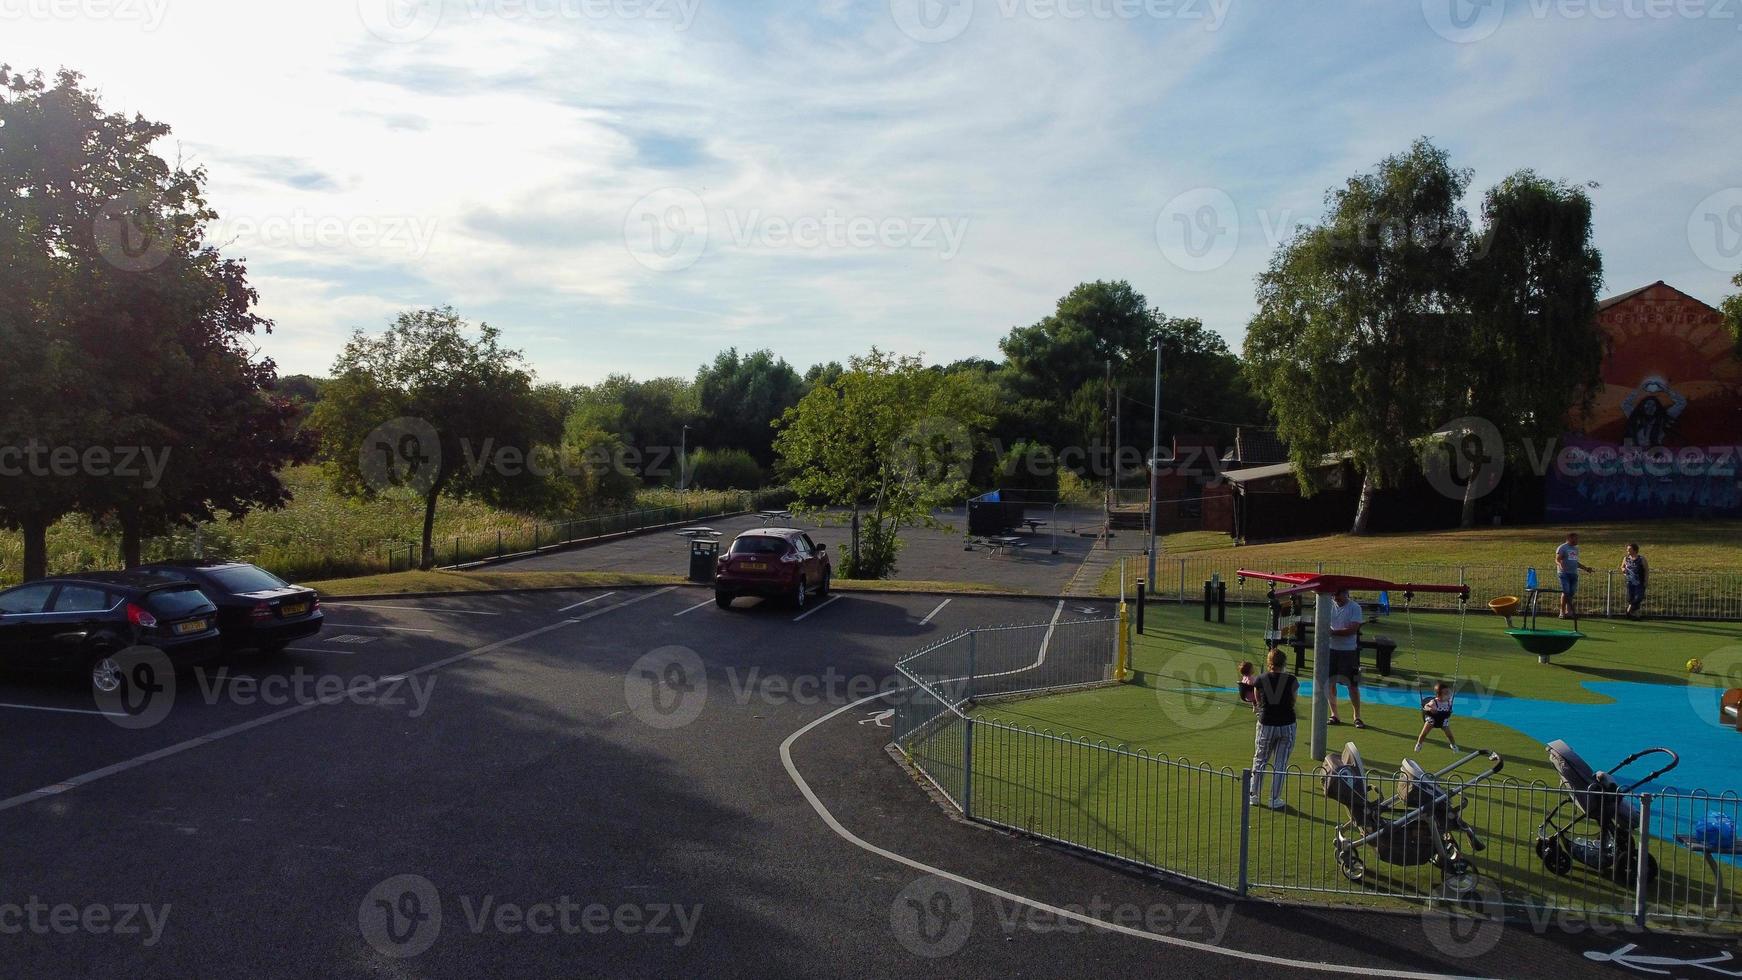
{"points": [[1543, 643]]}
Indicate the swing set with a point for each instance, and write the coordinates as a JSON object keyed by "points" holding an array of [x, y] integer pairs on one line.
{"points": [[1323, 587]]}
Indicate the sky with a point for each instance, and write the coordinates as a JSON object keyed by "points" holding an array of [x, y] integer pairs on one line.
{"points": [[629, 186]]}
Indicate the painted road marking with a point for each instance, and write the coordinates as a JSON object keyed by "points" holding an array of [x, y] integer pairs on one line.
{"points": [[934, 612], [820, 607], [367, 626], [692, 608], [435, 609], [292, 711], [68, 711], [842, 832], [585, 601]]}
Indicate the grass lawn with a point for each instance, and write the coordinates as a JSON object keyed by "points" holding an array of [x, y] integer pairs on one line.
{"points": [[1621, 689]]}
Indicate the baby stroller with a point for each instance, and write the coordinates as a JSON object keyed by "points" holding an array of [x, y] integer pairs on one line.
{"points": [[1418, 824], [1597, 805]]}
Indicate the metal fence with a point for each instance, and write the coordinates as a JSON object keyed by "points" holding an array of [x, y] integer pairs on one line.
{"points": [[1201, 822], [1671, 595]]}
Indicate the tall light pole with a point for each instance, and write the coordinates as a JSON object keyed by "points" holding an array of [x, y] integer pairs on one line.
{"points": [[683, 446], [1154, 466]]}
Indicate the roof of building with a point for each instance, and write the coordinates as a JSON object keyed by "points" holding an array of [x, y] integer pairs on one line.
{"points": [[1633, 293]]}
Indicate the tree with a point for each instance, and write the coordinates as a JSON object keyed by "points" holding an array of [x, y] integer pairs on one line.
{"points": [[1732, 310], [1355, 340], [1534, 350], [647, 416], [888, 435], [436, 406], [1057, 373], [741, 396], [725, 469]]}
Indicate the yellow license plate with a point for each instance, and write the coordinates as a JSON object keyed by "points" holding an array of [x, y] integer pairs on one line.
{"points": [[294, 610], [754, 566], [191, 626]]}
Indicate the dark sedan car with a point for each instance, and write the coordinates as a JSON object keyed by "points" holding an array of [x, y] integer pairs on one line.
{"points": [[255, 607], [773, 561], [73, 623]]}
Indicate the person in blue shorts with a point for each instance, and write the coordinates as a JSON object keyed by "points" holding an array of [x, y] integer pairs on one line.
{"points": [[1568, 567]]}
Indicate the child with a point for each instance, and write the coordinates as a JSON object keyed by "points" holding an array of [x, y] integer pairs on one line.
{"points": [[1436, 712], [1248, 683]]}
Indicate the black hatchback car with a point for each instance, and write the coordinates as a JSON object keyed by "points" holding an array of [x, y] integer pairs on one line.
{"points": [[255, 607], [77, 623]]}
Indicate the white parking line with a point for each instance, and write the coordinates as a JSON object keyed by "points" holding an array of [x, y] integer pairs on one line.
{"points": [[692, 608], [437, 609], [934, 612], [366, 626], [820, 607], [68, 711], [585, 601]]}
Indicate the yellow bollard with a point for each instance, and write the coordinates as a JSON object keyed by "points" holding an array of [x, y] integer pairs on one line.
{"points": [[1122, 673]]}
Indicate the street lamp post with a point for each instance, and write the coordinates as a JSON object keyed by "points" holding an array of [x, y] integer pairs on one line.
{"points": [[683, 474], [1154, 466]]}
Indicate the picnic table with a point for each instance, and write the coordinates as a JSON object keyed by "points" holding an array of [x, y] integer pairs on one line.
{"points": [[998, 544], [775, 515], [1032, 524], [697, 532]]}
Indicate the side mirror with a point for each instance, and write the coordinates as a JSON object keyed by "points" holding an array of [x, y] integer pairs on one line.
{"points": [[822, 548]]}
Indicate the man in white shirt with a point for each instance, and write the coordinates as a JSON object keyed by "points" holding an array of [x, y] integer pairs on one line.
{"points": [[1345, 653], [1567, 567]]}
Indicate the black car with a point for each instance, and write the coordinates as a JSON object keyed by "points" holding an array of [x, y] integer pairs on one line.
{"points": [[77, 623], [255, 607]]}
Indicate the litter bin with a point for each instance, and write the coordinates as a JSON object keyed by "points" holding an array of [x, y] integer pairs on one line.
{"points": [[704, 555], [1383, 648]]}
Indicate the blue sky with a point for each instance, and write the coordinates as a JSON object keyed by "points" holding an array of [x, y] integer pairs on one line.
{"points": [[632, 185]]}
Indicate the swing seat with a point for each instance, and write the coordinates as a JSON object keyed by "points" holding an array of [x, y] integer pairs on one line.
{"points": [[1545, 643]]}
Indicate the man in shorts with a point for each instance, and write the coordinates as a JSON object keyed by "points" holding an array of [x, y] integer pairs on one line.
{"points": [[1345, 653], [1567, 567]]}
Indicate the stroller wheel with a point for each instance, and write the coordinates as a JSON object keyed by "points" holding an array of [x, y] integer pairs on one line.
{"points": [[1352, 866], [1554, 854], [1460, 876]]}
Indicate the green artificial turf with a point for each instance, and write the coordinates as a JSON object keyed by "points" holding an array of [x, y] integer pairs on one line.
{"points": [[1092, 776]]}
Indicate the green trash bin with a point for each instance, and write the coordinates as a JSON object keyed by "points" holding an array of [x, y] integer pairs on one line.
{"points": [[704, 555]]}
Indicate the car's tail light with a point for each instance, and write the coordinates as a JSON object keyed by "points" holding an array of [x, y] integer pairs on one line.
{"points": [[314, 602], [140, 616], [262, 610]]}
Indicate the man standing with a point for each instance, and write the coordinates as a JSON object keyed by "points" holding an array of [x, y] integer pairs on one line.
{"points": [[1568, 567], [1345, 654], [1633, 566]]}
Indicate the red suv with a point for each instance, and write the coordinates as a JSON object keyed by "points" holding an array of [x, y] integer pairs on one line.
{"points": [[773, 561]]}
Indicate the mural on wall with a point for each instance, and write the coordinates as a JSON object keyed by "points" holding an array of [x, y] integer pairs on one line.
{"points": [[1662, 436]]}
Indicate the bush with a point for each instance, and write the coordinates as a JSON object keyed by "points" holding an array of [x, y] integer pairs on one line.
{"points": [[724, 469]]}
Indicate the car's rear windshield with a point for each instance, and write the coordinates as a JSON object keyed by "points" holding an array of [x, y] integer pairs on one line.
{"points": [[177, 601], [759, 545], [245, 578]]}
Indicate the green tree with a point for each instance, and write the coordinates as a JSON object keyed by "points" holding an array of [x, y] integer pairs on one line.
{"points": [[436, 406], [741, 396], [891, 441], [648, 417], [1534, 349], [1732, 310], [724, 469], [1356, 322]]}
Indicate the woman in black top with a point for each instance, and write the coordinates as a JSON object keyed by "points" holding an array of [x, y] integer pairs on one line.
{"points": [[1274, 705]]}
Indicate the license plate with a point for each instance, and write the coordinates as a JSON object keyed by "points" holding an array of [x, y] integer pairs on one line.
{"points": [[191, 626], [293, 609], [754, 566]]}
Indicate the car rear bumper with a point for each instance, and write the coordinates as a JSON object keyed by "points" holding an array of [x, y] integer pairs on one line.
{"points": [[273, 633], [735, 585]]}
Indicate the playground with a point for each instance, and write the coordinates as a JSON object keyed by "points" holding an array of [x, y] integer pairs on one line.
{"points": [[1619, 688]]}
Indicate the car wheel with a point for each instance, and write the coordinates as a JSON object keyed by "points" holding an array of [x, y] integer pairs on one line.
{"points": [[823, 589], [105, 674], [723, 599], [799, 595]]}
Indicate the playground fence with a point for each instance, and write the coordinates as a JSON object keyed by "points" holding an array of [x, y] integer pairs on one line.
{"points": [[1198, 822], [1670, 595]]}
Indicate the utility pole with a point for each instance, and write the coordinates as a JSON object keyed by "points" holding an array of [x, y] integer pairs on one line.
{"points": [[683, 476], [1155, 466]]}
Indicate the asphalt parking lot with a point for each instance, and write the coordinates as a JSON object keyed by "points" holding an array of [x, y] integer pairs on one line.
{"points": [[927, 555], [621, 783]]}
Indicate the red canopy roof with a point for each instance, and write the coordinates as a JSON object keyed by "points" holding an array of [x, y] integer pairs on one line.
{"points": [[1322, 582]]}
